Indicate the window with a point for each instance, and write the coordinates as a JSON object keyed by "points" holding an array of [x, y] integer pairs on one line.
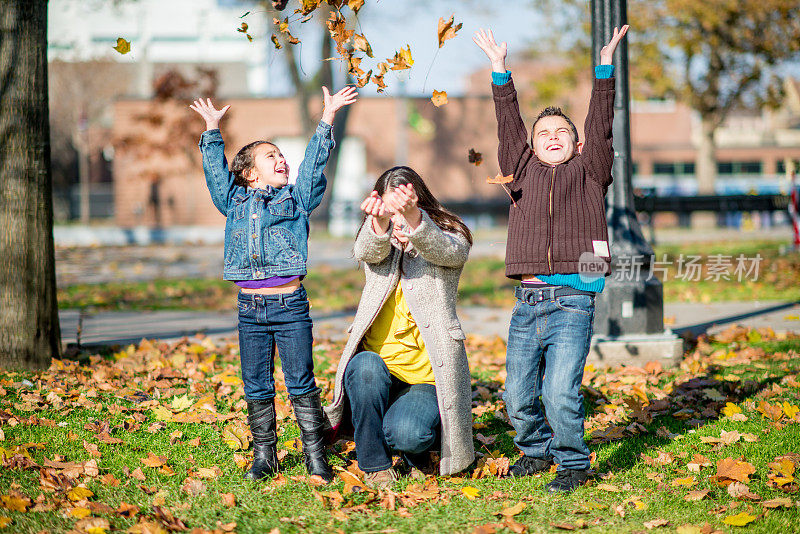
{"points": [[680, 167], [739, 167]]}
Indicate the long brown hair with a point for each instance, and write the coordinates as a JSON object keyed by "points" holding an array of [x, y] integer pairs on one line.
{"points": [[444, 219]]}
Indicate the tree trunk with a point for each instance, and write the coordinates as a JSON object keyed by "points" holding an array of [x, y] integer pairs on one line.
{"points": [[29, 329], [706, 172], [706, 165]]}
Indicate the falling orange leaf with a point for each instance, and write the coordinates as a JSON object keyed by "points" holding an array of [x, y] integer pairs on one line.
{"points": [[360, 43], [446, 30], [402, 59], [476, 158], [275, 41], [439, 98], [500, 179]]}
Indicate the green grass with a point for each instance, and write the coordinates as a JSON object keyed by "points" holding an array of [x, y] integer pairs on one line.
{"points": [[55, 412], [483, 283]]}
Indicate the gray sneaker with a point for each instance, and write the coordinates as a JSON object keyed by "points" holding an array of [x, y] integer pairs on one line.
{"points": [[381, 479]]}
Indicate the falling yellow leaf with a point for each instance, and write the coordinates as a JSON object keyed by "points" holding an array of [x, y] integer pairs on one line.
{"points": [[439, 98], [275, 42], [500, 179], [123, 46], [739, 520], [355, 5], [447, 30], [470, 492], [402, 59]]}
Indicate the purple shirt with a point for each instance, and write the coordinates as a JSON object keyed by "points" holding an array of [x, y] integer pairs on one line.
{"points": [[272, 281]]}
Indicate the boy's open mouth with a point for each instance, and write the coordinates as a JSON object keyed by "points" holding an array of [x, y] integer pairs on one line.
{"points": [[555, 147]]}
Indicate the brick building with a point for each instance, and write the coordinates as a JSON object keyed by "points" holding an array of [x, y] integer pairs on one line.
{"points": [[382, 132]]}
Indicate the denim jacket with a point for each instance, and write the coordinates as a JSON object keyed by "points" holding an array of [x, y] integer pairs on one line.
{"points": [[266, 232]]}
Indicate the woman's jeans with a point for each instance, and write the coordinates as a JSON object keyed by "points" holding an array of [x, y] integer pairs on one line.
{"points": [[388, 413], [267, 322], [548, 342]]}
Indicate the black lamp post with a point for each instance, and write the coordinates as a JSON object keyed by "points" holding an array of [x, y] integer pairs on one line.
{"points": [[630, 303]]}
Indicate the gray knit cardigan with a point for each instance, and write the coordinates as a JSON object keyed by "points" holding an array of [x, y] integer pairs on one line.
{"points": [[431, 269]]}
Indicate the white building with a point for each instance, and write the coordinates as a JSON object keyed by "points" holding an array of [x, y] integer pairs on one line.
{"points": [[167, 33]]}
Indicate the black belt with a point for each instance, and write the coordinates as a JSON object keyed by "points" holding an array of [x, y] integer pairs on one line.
{"points": [[532, 295]]}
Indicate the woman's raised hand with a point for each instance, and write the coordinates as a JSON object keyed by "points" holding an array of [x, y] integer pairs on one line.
{"points": [[495, 52], [335, 102], [373, 205], [403, 200], [209, 113]]}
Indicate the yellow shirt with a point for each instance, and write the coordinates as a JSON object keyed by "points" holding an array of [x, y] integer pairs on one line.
{"points": [[394, 336]]}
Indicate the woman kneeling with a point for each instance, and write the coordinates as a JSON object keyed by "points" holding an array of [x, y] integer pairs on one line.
{"points": [[404, 375]]}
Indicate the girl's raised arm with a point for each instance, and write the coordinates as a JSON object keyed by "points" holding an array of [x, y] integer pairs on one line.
{"points": [[215, 167], [310, 185]]}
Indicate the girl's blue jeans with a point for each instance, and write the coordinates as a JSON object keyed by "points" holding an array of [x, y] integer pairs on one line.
{"points": [[267, 322], [388, 413], [548, 342]]}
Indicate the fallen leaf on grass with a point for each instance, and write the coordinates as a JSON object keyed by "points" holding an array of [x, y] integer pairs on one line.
{"points": [[193, 487], [511, 511], [209, 472], [737, 490], [687, 482], [228, 499], [78, 493], [778, 502], [739, 520], [153, 460], [655, 523], [608, 487], [80, 512], [4, 521], [729, 470], [138, 474], [697, 495], [470, 492], [235, 436]]}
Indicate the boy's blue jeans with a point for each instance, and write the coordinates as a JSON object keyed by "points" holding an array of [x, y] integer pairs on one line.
{"points": [[548, 342], [267, 322], [388, 413]]}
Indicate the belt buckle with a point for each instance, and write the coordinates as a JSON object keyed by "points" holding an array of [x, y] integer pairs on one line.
{"points": [[534, 295]]}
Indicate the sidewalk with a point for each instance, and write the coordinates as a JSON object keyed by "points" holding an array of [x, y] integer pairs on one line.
{"points": [[123, 328]]}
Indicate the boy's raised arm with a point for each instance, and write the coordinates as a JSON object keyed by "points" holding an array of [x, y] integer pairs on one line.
{"points": [[310, 185], [598, 152], [513, 151], [215, 167]]}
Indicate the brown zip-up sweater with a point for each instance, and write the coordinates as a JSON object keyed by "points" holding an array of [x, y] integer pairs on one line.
{"points": [[560, 210]]}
